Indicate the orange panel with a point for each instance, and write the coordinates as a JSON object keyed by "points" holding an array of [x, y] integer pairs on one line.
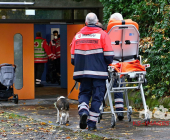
{"points": [[71, 32], [114, 22], [7, 54]]}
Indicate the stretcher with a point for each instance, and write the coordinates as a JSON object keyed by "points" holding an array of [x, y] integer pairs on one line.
{"points": [[126, 69]]}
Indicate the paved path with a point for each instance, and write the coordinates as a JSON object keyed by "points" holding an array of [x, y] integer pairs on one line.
{"points": [[123, 129]]}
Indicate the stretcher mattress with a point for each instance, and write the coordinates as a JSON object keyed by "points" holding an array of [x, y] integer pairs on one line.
{"points": [[129, 66]]}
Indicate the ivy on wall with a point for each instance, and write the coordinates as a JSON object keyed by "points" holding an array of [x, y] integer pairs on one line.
{"points": [[153, 17]]}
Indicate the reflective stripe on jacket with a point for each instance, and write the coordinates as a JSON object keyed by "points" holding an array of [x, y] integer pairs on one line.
{"points": [[91, 52], [41, 50]]}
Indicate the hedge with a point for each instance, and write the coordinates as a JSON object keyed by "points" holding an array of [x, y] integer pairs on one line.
{"points": [[153, 17]]}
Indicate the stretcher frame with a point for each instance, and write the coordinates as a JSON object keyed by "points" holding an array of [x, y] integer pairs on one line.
{"points": [[137, 76]]}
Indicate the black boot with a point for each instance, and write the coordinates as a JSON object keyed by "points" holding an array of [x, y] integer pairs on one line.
{"points": [[120, 116], [83, 121]]}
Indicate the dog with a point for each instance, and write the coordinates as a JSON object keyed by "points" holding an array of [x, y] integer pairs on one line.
{"points": [[62, 106]]}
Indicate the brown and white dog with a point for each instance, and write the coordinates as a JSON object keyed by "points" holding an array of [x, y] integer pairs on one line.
{"points": [[62, 106]]}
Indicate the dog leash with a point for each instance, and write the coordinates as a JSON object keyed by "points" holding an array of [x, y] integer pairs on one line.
{"points": [[72, 89]]}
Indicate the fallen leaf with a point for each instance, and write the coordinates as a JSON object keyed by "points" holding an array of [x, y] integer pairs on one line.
{"points": [[127, 133], [43, 123], [16, 133], [50, 121], [67, 137], [67, 124], [30, 128], [106, 138], [10, 117]]}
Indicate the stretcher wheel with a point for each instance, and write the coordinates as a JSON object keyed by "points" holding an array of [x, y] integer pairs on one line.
{"points": [[147, 122], [16, 98], [113, 121], [99, 118], [129, 118], [145, 82], [130, 110], [102, 110]]}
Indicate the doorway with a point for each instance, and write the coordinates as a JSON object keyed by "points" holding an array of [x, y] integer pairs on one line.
{"points": [[53, 89]]}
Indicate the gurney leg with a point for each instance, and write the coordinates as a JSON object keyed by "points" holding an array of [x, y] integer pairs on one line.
{"points": [[113, 119], [102, 107], [129, 108], [107, 86], [147, 118]]}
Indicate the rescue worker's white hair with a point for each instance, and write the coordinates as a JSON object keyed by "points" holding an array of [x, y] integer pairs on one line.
{"points": [[91, 18], [116, 16]]}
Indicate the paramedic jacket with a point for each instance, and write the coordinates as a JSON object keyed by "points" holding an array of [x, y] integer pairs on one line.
{"points": [[91, 52]]}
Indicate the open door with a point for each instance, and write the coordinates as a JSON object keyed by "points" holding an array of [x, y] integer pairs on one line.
{"points": [[22, 34], [71, 32]]}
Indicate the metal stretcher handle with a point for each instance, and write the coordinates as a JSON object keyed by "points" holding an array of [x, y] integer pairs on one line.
{"points": [[117, 42]]}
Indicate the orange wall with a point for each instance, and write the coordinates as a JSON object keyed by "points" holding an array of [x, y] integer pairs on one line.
{"points": [[71, 31], [7, 54]]}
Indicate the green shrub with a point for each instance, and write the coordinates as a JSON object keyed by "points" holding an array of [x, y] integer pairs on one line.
{"points": [[153, 17]]}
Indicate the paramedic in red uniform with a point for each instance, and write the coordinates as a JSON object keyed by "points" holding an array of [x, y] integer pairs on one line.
{"points": [[41, 54], [55, 47], [91, 53]]}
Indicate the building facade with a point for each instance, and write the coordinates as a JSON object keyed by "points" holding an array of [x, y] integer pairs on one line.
{"points": [[19, 23]]}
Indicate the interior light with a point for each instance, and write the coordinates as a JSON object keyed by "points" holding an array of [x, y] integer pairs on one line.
{"points": [[30, 12], [14, 10]]}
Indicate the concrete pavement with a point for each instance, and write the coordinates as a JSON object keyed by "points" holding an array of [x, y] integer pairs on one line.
{"points": [[43, 110]]}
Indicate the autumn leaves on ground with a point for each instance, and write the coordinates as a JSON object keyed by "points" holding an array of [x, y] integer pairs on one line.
{"points": [[13, 126]]}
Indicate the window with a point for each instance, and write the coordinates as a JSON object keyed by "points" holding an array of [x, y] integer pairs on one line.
{"points": [[39, 14], [71, 15], [18, 61]]}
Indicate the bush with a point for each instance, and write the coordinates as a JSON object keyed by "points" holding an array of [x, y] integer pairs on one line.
{"points": [[153, 17]]}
